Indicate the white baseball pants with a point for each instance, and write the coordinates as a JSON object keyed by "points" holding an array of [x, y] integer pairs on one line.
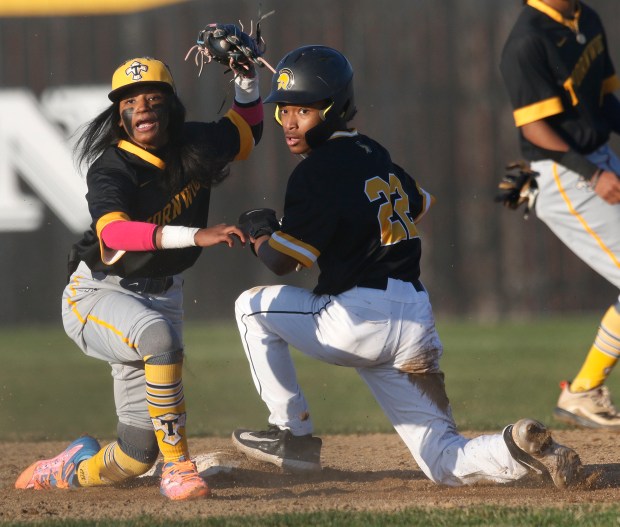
{"points": [[389, 337]]}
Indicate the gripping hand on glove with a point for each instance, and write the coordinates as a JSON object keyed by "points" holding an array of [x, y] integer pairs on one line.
{"points": [[258, 222]]}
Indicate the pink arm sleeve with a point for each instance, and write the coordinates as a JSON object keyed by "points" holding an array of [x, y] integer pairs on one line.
{"points": [[129, 236], [250, 114]]}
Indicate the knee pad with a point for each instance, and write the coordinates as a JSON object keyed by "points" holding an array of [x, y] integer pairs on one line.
{"points": [[138, 443], [160, 344]]}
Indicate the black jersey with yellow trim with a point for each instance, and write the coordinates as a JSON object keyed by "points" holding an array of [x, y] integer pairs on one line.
{"points": [[559, 70], [124, 183], [353, 211]]}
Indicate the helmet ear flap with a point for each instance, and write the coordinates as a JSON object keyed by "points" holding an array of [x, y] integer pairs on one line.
{"points": [[323, 113], [276, 115]]}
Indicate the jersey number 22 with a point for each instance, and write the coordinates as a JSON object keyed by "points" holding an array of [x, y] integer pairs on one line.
{"points": [[394, 217]]}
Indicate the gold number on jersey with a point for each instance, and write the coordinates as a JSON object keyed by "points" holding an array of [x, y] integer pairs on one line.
{"points": [[394, 219]]}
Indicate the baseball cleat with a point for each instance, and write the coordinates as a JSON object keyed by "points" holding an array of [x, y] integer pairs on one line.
{"points": [[59, 472], [281, 448], [531, 444], [591, 409], [180, 481]]}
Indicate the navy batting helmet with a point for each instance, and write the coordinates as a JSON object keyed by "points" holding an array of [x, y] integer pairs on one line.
{"points": [[315, 73]]}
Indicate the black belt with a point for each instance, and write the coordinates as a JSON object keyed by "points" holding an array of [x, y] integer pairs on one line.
{"points": [[147, 286], [381, 283]]}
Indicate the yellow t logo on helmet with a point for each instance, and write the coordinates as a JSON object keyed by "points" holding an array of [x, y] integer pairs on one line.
{"points": [[140, 70]]}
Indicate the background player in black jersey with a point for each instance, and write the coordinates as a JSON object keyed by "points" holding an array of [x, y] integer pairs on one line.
{"points": [[353, 211], [149, 185], [560, 78]]}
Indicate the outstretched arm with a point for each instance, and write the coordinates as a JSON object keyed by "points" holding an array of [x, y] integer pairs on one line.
{"points": [[141, 236]]}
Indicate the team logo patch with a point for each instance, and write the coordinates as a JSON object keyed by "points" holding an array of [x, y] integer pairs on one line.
{"points": [[136, 69], [286, 79], [170, 424]]}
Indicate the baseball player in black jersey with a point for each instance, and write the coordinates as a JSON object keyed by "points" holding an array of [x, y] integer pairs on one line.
{"points": [[560, 78], [353, 211], [149, 185]]}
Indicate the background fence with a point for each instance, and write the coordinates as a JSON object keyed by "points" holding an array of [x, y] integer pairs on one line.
{"points": [[427, 87]]}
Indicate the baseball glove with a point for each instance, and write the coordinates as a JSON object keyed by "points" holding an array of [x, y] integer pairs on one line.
{"points": [[230, 46], [518, 187], [258, 222]]}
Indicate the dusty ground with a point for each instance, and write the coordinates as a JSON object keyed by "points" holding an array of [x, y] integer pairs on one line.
{"points": [[366, 472]]}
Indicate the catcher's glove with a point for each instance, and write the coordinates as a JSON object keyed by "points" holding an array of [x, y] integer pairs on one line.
{"points": [[518, 187], [258, 222], [230, 46]]}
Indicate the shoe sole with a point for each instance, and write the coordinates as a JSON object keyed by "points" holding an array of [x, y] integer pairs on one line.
{"points": [[194, 495], [568, 470], [574, 419], [289, 465]]}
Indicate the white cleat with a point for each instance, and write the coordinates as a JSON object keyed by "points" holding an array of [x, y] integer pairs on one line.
{"points": [[531, 444]]}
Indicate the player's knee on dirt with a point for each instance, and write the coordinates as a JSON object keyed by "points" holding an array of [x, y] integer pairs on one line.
{"points": [[131, 455], [160, 344], [138, 444]]}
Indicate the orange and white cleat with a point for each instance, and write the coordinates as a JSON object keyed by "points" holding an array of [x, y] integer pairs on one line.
{"points": [[180, 481]]}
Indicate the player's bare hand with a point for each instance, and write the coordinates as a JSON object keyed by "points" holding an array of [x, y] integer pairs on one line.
{"points": [[221, 233], [608, 187]]}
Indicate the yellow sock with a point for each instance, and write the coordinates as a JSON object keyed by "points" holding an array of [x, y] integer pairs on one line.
{"points": [[164, 397], [109, 465], [603, 354]]}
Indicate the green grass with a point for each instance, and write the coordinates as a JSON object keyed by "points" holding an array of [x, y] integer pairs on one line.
{"points": [[498, 373], [495, 373], [584, 516]]}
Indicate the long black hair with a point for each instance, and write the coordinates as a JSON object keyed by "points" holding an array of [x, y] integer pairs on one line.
{"points": [[184, 160]]}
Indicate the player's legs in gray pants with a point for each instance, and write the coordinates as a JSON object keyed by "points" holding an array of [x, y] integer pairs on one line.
{"points": [[128, 331], [107, 322], [590, 227], [390, 338], [582, 220]]}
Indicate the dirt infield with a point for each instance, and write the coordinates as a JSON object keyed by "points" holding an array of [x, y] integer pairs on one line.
{"points": [[365, 472]]}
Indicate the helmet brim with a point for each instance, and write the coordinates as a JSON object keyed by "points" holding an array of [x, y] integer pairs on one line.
{"points": [[286, 97], [117, 94]]}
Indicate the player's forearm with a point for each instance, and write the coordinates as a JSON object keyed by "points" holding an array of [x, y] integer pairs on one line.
{"points": [[130, 236], [248, 104], [142, 236], [275, 261], [542, 135]]}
